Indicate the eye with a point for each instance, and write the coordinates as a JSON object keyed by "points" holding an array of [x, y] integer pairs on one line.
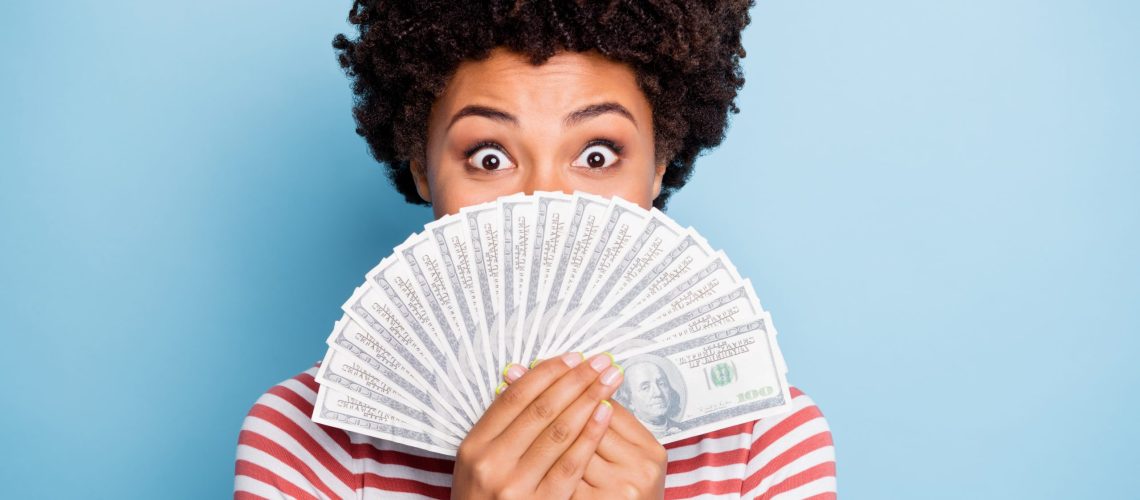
{"points": [[598, 154], [489, 156]]}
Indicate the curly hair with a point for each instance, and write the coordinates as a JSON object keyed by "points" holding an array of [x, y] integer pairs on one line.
{"points": [[685, 55]]}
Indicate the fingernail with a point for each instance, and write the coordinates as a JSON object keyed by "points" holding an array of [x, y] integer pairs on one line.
{"points": [[612, 374], [532, 363], [603, 411], [572, 359], [600, 361], [513, 372], [499, 389]]}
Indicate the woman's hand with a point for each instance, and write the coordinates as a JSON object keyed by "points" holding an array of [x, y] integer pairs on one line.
{"points": [[538, 437], [629, 462]]}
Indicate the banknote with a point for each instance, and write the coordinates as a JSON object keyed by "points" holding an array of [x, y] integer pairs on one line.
{"points": [[519, 214], [708, 281], [400, 284], [340, 409], [659, 234], [452, 239], [621, 221], [735, 306], [705, 382], [553, 215], [394, 357], [422, 257], [677, 268], [374, 310], [582, 234], [483, 234], [344, 371], [416, 357]]}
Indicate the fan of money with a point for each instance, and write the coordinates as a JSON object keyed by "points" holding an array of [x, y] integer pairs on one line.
{"points": [[418, 354]]}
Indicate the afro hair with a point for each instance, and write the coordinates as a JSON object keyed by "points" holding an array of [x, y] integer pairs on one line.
{"points": [[685, 55]]}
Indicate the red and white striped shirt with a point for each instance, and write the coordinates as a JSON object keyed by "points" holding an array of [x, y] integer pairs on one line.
{"points": [[282, 453]]}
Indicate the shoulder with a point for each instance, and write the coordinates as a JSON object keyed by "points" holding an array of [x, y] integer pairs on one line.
{"points": [[282, 453], [791, 452]]}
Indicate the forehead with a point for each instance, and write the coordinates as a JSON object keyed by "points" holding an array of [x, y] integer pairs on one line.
{"points": [[564, 82]]}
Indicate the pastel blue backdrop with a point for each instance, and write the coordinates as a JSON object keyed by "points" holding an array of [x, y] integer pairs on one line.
{"points": [[936, 200]]}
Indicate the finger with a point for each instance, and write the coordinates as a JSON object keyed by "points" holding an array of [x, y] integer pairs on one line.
{"points": [[554, 441], [552, 401], [512, 400], [599, 471], [619, 452], [515, 371], [616, 448], [566, 472], [586, 491], [629, 427]]}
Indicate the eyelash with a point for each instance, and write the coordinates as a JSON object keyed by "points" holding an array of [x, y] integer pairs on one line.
{"points": [[606, 142], [480, 145], [617, 148]]}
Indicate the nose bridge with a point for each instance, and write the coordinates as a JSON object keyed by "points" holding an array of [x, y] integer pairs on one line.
{"points": [[545, 174]]}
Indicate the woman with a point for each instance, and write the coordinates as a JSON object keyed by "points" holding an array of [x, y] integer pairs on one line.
{"points": [[464, 102]]}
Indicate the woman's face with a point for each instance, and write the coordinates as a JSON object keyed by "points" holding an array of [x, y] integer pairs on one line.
{"points": [[502, 126]]}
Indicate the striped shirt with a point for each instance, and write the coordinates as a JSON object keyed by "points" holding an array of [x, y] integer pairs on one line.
{"points": [[282, 453]]}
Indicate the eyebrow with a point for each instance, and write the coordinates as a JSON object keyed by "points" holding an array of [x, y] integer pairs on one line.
{"points": [[571, 119]]}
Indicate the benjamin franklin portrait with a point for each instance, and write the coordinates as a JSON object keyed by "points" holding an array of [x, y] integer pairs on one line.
{"points": [[650, 391]]}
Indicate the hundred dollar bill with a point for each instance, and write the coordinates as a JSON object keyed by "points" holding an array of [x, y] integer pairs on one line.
{"points": [[736, 306], [393, 357], [422, 257], [342, 410], [582, 233], [650, 247], [394, 280], [661, 239], [687, 258], [709, 281], [623, 221], [376, 311], [684, 260], [452, 239], [518, 230], [706, 382], [342, 370], [484, 229], [387, 367], [551, 230]]}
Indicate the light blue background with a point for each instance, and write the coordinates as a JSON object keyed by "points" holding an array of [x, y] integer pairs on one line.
{"points": [[936, 200]]}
